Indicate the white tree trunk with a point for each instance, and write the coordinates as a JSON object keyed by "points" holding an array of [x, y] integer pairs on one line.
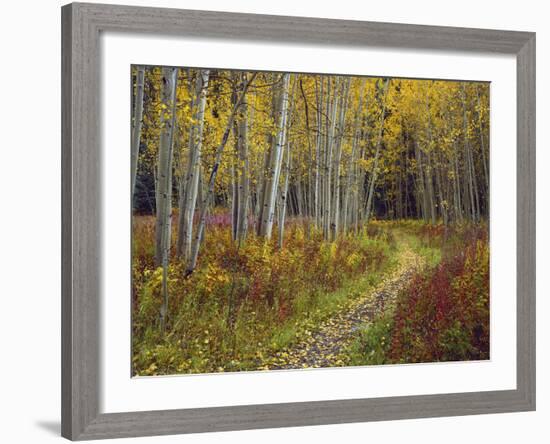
{"points": [[138, 120], [188, 197], [192, 263], [374, 173], [316, 192], [352, 167], [243, 166], [284, 194], [274, 170], [332, 105], [338, 158], [164, 190]]}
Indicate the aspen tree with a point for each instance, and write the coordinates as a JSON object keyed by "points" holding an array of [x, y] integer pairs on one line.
{"points": [[374, 172], [164, 188], [192, 263], [137, 124], [274, 168], [243, 166], [352, 167], [189, 191]]}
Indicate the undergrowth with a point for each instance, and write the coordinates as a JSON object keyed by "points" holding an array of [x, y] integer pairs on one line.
{"points": [[243, 303], [443, 314]]}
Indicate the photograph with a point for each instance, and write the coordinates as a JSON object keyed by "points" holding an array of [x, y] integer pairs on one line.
{"points": [[288, 221], [267, 222]]}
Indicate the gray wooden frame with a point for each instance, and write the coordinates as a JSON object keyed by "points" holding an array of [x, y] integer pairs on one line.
{"points": [[81, 231]]}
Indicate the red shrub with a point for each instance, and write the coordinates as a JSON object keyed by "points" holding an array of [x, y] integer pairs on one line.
{"points": [[444, 314]]}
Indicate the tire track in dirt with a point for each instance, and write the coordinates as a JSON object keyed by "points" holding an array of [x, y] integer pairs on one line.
{"points": [[322, 347]]}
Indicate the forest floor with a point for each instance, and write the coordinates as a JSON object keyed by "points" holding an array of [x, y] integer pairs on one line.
{"points": [[391, 294], [326, 346]]}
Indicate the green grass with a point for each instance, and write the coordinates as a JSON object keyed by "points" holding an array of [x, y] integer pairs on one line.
{"points": [[372, 343], [211, 332], [220, 322], [431, 254], [388, 340], [311, 311]]}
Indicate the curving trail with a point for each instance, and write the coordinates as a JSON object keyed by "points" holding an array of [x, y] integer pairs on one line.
{"points": [[323, 347]]}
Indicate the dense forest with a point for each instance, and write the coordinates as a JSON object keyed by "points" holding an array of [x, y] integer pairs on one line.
{"points": [[288, 220]]}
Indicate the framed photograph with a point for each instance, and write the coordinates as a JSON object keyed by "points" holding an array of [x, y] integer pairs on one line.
{"points": [[278, 221]]}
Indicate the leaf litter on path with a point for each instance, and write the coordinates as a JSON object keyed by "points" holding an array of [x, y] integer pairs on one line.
{"points": [[323, 346]]}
